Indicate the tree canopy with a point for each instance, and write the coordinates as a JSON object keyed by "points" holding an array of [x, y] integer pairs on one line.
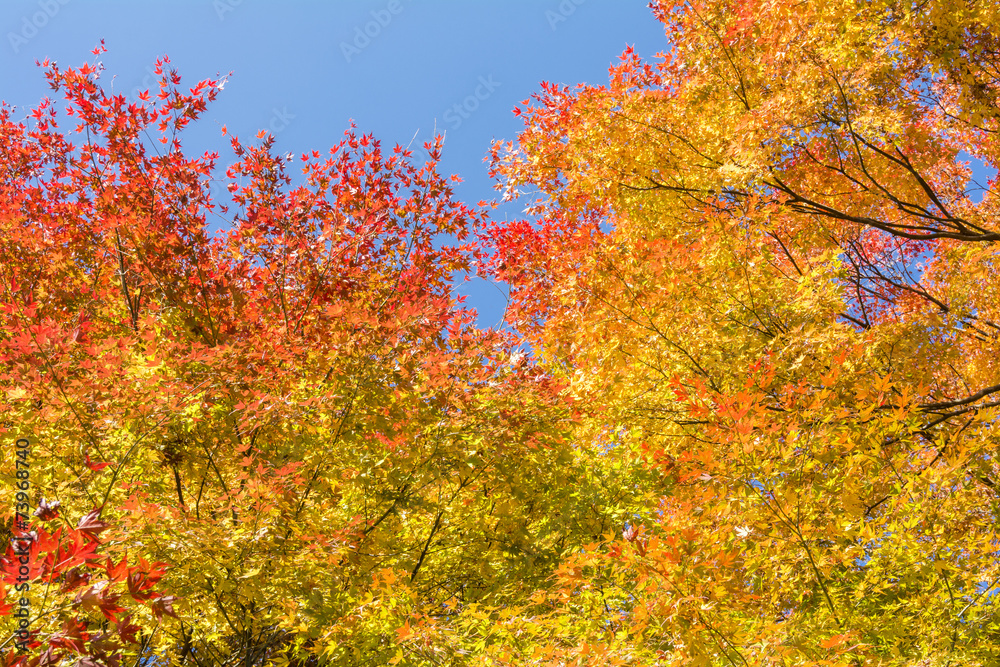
{"points": [[756, 284]]}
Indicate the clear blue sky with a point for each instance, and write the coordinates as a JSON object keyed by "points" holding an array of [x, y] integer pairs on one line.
{"points": [[304, 69]]}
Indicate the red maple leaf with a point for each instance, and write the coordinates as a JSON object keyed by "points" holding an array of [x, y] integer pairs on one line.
{"points": [[91, 525], [95, 465]]}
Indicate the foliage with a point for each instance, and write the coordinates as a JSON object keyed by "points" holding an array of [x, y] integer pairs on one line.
{"points": [[285, 401], [763, 256], [757, 428]]}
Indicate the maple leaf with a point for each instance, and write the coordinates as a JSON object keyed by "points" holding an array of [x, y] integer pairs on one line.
{"points": [[73, 636], [164, 605], [404, 632], [93, 465], [116, 572], [140, 582], [75, 578], [835, 640], [98, 597], [127, 630], [91, 525], [47, 511]]}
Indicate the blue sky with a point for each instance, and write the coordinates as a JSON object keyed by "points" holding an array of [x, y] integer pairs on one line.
{"points": [[302, 70]]}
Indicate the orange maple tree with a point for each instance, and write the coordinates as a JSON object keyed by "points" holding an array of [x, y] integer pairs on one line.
{"points": [[761, 262]]}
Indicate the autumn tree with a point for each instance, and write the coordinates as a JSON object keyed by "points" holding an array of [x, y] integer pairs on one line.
{"points": [[762, 262], [275, 401]]}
